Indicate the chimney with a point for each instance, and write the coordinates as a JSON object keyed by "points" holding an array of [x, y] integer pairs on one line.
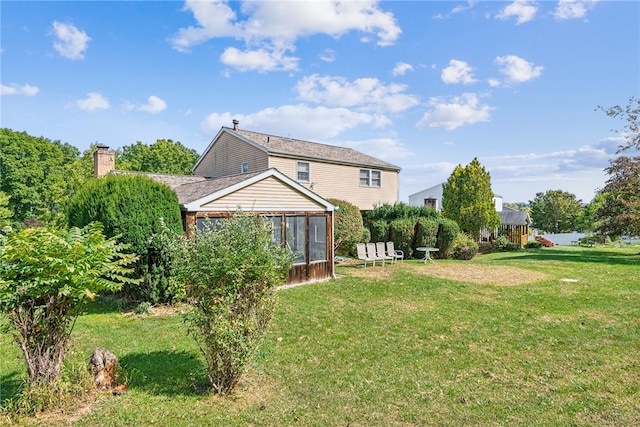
{"points": [[235, 124], [103, 160]]}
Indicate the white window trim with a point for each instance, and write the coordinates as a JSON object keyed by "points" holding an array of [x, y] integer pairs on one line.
{"points": [[242, 167], [308, 171], [370, 178]]}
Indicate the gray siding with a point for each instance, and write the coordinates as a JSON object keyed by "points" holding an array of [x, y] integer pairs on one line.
{"points": [[226, 156]]}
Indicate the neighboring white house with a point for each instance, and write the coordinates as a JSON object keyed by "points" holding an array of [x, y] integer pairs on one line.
{"points": [[513, 223], [432, 197]]}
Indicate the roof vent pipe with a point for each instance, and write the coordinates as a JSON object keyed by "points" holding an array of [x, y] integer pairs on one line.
{"points": [[235, 124]]}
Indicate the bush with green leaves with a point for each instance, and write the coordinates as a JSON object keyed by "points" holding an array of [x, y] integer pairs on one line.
{"points": [[464, 247], [448, 230], [46, 276], [425, 233], [533, 244], [401, 233], [132, 206], [348, 229], [502, 244], [230, 273]]}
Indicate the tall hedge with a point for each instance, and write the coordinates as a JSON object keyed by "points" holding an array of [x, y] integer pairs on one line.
{"points": [[410, 227], [132, 206]]}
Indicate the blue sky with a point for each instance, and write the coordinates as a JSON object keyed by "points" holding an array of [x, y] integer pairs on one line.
{"points": [[425, 85]]}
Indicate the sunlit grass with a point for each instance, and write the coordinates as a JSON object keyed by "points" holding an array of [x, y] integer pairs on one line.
{"points": [[397, 346]]}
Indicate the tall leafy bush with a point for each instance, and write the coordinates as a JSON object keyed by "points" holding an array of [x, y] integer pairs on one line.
{"points": [[348, 229], [448, 230], [401, 233], [46, 276], [131, 206], [426, 232], [230, 273]]}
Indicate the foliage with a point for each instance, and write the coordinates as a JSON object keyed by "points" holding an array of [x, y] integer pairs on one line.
{"points": [[503, 244], [401, 232], [464, 247], [47, 275], [379, 230], [448, 230], [555, 211], [631, 115], [230, 273], [588, 219], [38, 175], [533, 244], [468, 200], [389, 213], [163, 156], [410, 227], [619, 213], [425, 232], [131, 206], [348, 229]]}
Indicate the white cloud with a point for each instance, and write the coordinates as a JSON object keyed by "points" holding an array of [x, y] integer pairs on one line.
{"points": [[458, 72], [271, 27], [573, 9], [462, 110], [94, 101], [260, 60], [155, 105], [401, 69], [14, 89], [517, 70], [365, 93], [523, 10], [71, 42], [297, 121], [328, 55]]}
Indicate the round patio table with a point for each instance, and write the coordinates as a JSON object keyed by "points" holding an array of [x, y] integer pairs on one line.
{"points": [[427, 253]]}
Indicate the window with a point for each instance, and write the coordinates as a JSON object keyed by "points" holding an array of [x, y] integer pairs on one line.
{"points": [[209, 224], [276, 229], [370, 178], [431, 203], [244, 168], [296, 238], [303, 171], [317, 238]]}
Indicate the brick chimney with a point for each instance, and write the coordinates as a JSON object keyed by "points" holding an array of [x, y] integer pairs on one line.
{"points": [[103, 160]]}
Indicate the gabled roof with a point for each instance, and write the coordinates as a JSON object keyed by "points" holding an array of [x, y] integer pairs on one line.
{"points": [[514, 217], [300, 149]]}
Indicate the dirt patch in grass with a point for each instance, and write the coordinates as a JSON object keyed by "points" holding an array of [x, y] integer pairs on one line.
{"points": [[482, 274]]}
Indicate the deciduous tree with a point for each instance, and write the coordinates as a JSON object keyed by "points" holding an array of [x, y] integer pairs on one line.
{"points": [[631, 115], [46, 276], [163, 156], [38, 175], [555, 211], [467, 199], [348, 228], [620, 211]]}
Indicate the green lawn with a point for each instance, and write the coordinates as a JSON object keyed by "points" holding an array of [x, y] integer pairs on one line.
{"points": [[397, 348]]}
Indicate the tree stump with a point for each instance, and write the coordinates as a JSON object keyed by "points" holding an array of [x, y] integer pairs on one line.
{"points": [[103, 366]]}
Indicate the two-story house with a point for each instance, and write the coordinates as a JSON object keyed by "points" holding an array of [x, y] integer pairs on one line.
{"points": [[329, 171]]}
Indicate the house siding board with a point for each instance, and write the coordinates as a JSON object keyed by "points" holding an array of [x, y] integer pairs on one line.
{"points": [[268, 194], [226, 155], [324, 176], [435, 192]]}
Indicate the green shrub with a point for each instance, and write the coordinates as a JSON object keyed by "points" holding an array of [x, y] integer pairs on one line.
{"points": [[448, 230], [425, 233], [379, 231], [533, 244], [230, 275], [502, 244], [132, 206], [401, 233], [464, 247], [348, 229]]}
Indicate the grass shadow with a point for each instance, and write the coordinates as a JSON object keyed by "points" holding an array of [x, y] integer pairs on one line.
{"points": [[585, 255], [10, 386], [169, 373]]}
